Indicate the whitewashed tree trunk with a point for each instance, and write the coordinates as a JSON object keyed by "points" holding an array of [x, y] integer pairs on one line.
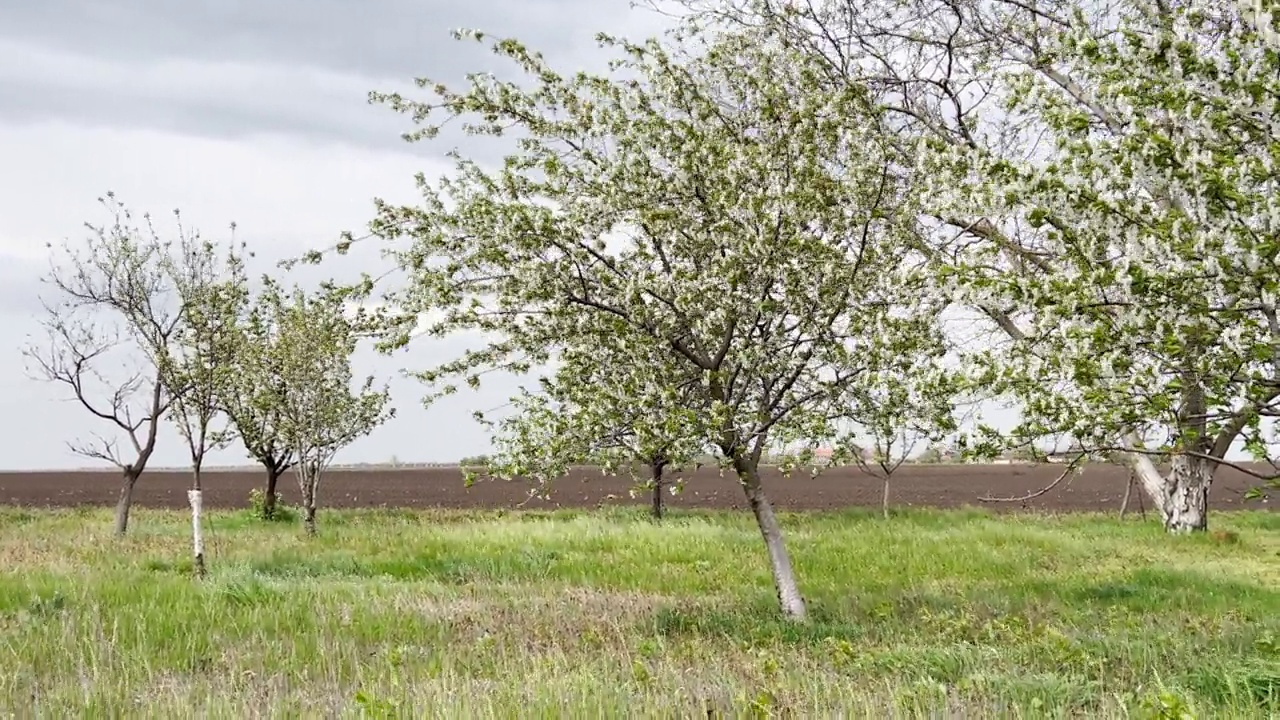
{"points": [[1149, 479], [1186, 494], [196, 499], [1182, 496], [784, 577]]}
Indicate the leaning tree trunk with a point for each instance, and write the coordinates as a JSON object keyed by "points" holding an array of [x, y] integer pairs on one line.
{"points": [[1186, 494], [784, 577], [125, 504], [885, 498]]}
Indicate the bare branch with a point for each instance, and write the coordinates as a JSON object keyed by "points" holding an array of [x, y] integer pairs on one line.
{"points": [[1072, 467]]}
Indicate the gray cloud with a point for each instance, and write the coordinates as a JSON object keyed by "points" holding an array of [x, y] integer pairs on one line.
{"points": [[262, 117], [231, 69], [375, 38], [221, 100]]}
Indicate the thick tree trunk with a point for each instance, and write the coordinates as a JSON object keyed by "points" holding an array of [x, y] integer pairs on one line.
{"points": [[784, 577], [196, 499], [1186, 494], [125, 504], [269, 500], [1182, 496], [657, 490], [310, 522]]}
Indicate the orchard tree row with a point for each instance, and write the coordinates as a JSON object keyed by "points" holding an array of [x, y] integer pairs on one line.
{"points": [[747, 235], [142, 330]]}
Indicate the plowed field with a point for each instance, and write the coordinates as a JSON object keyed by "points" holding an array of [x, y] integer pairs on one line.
{"points": [[941, 486]]}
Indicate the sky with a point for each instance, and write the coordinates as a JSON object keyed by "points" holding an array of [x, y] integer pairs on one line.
{"points": [[254, 113], [248, 112]]}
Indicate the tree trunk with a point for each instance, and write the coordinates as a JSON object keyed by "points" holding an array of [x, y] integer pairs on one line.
{"points": [[308, 481], [125, 504], [657, 490], [1186, 494], [1150, 481], [269, 500], [886, 497], [784, 578], [196, 499]]}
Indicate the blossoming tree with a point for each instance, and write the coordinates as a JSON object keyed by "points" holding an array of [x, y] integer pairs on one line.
{"points": [[704, 212], [1100, 181]]}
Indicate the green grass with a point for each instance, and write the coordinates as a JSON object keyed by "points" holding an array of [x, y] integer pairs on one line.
{"points": [[605, 614]]}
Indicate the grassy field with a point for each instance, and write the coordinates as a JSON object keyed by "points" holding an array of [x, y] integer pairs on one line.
{"points": [[605, 614]]}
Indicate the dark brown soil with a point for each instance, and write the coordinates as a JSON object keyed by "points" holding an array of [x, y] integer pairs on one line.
{"points": [[942, 486]]}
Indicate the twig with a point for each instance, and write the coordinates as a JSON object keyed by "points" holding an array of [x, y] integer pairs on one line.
{"points": [[1036, 493], [535, 493]]}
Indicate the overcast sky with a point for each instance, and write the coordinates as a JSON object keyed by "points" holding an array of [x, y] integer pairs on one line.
{"points": [[252, 112]]}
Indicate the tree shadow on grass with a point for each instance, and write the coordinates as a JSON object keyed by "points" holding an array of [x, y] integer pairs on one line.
{"points": [[1153, 589]]}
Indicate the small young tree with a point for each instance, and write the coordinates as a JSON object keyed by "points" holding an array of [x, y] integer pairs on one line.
{"points": [[709, 215], [587, 414], [933, 454], [881, 457], [655, 463], [200, 369], [897, 418], [312, 339], [116, 307], [254, 396]]}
